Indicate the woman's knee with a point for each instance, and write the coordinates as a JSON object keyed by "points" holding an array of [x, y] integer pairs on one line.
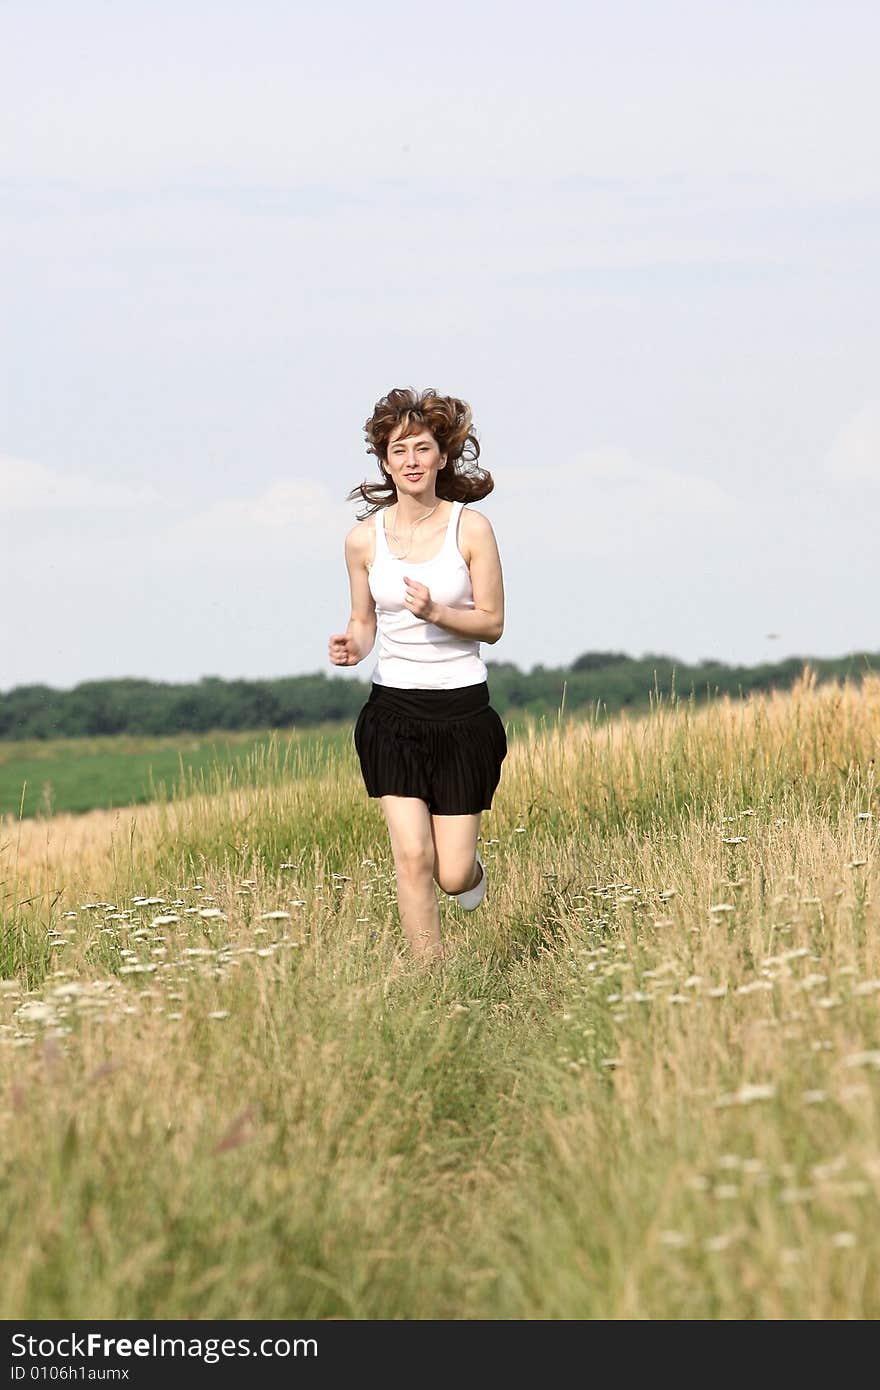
{"points": [[411, 841], [456, 877], [414, 858]]}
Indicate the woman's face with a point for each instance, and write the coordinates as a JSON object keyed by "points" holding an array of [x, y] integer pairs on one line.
{"points": [[413, 462]]}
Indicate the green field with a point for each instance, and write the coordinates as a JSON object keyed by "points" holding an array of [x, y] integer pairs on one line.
{"points": [[644, 1084], [47, 777]]}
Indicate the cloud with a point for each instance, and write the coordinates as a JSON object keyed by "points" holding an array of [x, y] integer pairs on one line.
{"points": [[605, 503], [303, 511], [855, 454], [640, 487], [654, 489], [27, 486]]}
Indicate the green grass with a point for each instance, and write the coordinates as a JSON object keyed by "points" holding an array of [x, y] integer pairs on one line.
{"points": [[84, 774], [45, 778], [646, 1083]]}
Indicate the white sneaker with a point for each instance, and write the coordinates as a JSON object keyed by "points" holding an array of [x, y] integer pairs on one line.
{"points": [[472, 897]]}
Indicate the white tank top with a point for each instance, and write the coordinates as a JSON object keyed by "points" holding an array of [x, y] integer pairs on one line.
{"points": [[414, 654]]}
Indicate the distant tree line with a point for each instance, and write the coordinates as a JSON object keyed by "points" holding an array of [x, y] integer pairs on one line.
{"points": [[600, 683]]}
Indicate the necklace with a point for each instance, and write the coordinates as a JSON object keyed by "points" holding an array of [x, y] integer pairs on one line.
{"points": [[413, 527]]}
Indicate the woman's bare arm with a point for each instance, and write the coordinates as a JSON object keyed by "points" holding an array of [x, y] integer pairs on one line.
{"points": [[362, 623]]}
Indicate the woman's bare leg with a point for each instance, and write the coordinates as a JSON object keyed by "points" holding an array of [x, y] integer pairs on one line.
{"points": [[409, 825], [455, 850]]}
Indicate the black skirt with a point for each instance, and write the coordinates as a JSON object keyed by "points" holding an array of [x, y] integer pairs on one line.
{"points": [[444, 746]]}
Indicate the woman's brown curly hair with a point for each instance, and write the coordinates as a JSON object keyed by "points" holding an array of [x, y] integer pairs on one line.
{"points": [[450, 422]]}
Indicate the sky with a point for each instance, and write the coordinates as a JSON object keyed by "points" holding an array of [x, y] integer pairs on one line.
{"points": [[640, 239]]}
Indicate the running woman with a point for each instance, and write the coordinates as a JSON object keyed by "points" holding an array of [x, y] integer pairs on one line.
{"points": [[425, 574]]}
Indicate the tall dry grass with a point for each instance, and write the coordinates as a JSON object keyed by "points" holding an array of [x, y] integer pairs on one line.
{"points": [[645, 1084]]}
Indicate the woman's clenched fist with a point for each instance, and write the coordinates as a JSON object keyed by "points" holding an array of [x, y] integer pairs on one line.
{"points": [[342, 650]]}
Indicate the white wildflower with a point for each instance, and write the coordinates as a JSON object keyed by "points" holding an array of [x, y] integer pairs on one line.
{"points": [[35, 1010], [844, 1240], [746, 1095], [716, 1244], [811, 981], [674, 1239], [863, 1059]]}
